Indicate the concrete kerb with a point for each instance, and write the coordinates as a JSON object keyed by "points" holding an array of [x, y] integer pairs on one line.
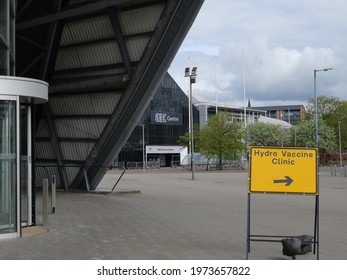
{"points": [[115, 192], [109, 184]]}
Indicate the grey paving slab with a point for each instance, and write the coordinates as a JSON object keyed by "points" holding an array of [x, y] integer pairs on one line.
{"points": [[171, 217]]}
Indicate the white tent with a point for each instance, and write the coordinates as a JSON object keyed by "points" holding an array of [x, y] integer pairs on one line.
{"points": [[283, 124]]}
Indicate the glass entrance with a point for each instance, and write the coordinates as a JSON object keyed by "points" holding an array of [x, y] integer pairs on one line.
{"points": [[25, 166], [8, 167], [15, 151]]}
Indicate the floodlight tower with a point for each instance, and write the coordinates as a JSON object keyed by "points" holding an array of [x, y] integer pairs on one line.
{"points": [[192, 80], [315, 99]]}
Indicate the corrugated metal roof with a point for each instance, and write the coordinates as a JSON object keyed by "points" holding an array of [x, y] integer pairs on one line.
{"points": [[89, 55], [86, 38], [43, 150], [101, 70], [114, 70], [71, 172], [50, 168], [73, 151], [87, 30], [44, 172], [146, 19], [83, 128], [72, 2], [42, 130], [136, 47], [85, 104]]}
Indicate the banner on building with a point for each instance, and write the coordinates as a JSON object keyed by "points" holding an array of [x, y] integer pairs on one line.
{"points": [[170, 118], [164, 149]]}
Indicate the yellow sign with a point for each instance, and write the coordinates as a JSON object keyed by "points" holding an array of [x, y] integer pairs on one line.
{"points": [[283, 170]]}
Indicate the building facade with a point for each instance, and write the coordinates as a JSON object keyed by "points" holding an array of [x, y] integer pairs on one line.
{"points": [[103, 61], [208, 111], [163, 122], [292, 114], [17, 99]]}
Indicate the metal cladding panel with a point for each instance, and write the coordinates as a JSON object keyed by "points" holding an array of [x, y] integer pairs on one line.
{"points": [[43, 150], [86, 30], [73, 151], [43, 130], [114, 70], [146, 19], [45, 171], [83, 128], [72, 2], [71, 171], [50, 168], [86, 43], [96, 54], [174, 24], [135, 3], [122, 46], [85, 104], [136, 47]]}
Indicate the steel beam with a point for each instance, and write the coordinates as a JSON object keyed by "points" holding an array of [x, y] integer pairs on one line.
{"points": [[85, 83], [69, 12], [176, 20], [55, 144], [120, 40]]}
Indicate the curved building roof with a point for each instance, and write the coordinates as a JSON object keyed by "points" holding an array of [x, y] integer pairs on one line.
{"points": [[103, 60], [283, 124]]}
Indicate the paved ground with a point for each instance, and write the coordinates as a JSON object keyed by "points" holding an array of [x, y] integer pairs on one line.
{"points": [[175, 218]]}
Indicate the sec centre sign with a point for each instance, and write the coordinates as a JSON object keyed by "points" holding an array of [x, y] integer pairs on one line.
{"points": [[283, 170]]}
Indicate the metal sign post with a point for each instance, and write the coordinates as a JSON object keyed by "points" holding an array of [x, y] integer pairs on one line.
{"points": [[285, 170]]}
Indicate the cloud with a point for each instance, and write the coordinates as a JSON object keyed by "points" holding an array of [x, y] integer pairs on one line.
{"points": [[277, 72], [282, 41]]}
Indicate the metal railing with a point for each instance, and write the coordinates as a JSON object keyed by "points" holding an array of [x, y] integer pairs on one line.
{"points": [[236, 165], [334, 170]]}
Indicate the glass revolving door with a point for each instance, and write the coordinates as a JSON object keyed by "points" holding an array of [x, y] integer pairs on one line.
{"points": [[25, 166], [8, 168], [17, 95]]}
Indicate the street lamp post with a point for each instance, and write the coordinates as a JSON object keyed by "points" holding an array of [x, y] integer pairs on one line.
{"points": [[244, 89], [339, 123], [315, 99], [144, 160], [295, 136], [192, 80]]}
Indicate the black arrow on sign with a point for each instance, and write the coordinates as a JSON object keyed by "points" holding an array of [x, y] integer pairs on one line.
{"points": [[287, 180]]}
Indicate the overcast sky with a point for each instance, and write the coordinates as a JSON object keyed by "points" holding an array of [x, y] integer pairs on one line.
{"points": [[278, 44]]}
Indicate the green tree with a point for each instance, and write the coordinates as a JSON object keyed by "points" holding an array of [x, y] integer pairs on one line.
{"points": [[340, 116], [331, 110], [266, 134], [184, 140], [221, 139], [326, 107], [303, 135]]}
